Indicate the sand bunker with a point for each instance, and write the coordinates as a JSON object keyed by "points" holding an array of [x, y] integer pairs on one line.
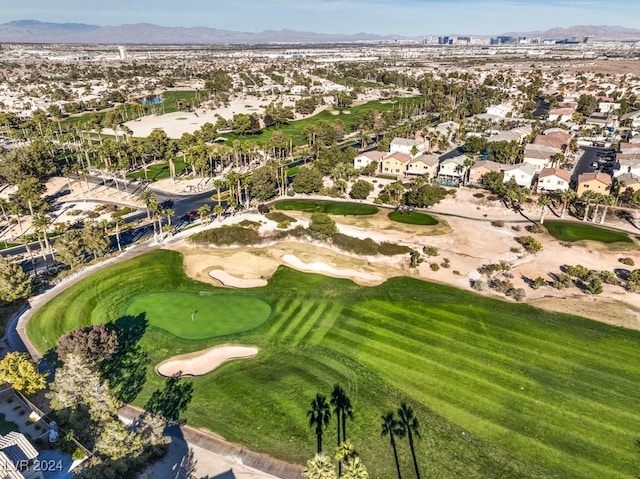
{"points": [[233, 282], [202, 362], [297, 263]]}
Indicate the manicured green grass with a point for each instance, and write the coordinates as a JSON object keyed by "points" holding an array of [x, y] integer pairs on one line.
{"points": [[571, 231], [159, 171], [295, 129], [329, 207], [200, 315], [502, 390], [414, 218]]}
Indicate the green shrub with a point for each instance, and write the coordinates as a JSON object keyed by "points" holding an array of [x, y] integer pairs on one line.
{"points": [[516, 293], [321, 226], [434, 267], [430, 250], [539, 282], [478, 195], [608, 277], [122, 212], [392, 249], [562, 281], [227, 235], [249, 224], [594, 286], [283, 225], [530, 244], [578, 271], [627, 261], [498, 223], [446, 263], [535, 228], [501, 286], [355, 245]]}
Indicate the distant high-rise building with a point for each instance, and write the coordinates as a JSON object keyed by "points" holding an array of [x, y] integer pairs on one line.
{"points": [[123, 53]]}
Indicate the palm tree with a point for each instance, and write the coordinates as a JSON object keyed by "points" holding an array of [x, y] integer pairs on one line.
{"points": [[320, 467], [598, 198], [342, 409], [543, 202], [204, 211], [218, 210], [150, 199], [566, 196], [219, 183], [607, 200], [587, 196], [354, 469], [409, 424], [391, 428], [319, 416]]}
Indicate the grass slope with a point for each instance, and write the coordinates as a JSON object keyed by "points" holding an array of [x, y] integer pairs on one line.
{"points": [[570, 231], [502, 390], [414, 218], [329, 207]]}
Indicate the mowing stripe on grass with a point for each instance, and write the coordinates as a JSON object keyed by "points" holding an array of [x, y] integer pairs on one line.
{"points": [[498, 394], [454, 399], [282, 309], [294, 321], [311, 321], [285, 318], [326, 322], [450, 353]]}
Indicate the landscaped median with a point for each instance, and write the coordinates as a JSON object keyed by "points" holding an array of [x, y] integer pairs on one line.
{"points": [[497, 386]]}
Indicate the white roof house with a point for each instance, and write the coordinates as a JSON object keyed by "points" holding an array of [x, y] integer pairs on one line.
{"points": [[366, 158], [521, 173], [405, 145], [540, 156]]}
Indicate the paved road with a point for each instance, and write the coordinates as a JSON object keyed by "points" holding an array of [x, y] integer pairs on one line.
{"points": [[589, 156]]}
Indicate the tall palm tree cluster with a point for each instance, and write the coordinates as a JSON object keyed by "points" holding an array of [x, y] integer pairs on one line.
{"points": [[398, 424]]}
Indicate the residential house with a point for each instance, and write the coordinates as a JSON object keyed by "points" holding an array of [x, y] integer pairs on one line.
{"points": [[561, 115], [452, 171], [368, 157], [628, 180], [424, 165], [406, 146], [481, 168], [554, 138], [521, 173], [540, 156], [624, 165], [395, 164], [553, 179], [629, 148], [17, 457], [448, 129], [598, 182], [499, 110]]}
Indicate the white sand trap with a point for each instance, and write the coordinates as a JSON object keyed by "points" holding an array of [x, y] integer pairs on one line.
{"points": [[297, 263], [228, 280], [202, 362]]}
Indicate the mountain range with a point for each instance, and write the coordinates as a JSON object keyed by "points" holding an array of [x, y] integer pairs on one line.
{"points": [[33, 31]]}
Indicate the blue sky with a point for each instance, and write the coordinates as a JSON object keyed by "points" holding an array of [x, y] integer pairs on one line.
{"points": [[401, 17]]}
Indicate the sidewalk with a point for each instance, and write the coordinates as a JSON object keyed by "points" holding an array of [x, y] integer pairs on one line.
{"points": [[211, 456]]}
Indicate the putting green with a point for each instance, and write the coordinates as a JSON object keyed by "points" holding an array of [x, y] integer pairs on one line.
{"points": [[200, 316]]}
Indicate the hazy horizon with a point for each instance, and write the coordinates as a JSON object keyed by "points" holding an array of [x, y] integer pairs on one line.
{"points": [[383, 17]]}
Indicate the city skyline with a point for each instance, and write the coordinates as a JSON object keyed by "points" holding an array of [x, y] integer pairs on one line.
{"points": [[384, 17]]}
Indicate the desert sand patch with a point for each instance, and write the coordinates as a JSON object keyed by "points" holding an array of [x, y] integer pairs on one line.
{"points": [[202, 362]]}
